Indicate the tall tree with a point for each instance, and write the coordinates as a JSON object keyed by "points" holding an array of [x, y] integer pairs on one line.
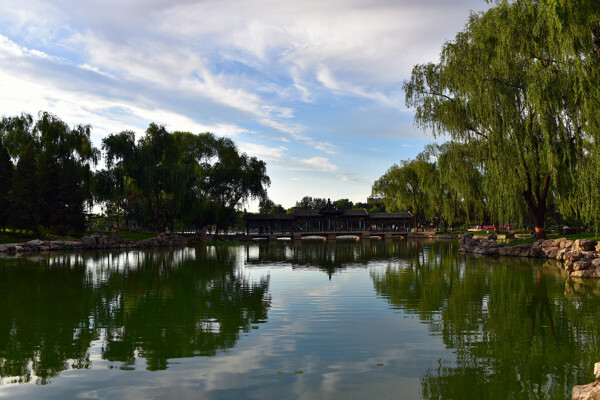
{"points": [[511, 86], [65, 157], [310, 203], [402, 188], [24, 195], [6, 173]]}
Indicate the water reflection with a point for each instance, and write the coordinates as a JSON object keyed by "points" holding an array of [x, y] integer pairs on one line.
{"points": [[509, 325], [338, 255], [156, 305]]}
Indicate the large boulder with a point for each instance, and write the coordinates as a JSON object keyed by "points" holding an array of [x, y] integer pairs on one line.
{"points": [[551, 243], [581, 265], [520, 250], [89, 242], [466, 238], [584, 245], [572, 256], [487, 247], [539, 243], [537, 252], [590, 391]]}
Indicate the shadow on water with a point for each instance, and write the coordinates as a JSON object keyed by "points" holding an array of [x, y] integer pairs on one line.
{"points": [[514, 326], [157, 305]]}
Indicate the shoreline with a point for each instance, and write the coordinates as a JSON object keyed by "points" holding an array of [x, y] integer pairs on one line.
{"points": [[581, 257], [96, 242]]}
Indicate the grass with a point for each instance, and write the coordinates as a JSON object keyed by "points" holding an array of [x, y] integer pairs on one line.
{"points": [[591, 236], [14, 237]]}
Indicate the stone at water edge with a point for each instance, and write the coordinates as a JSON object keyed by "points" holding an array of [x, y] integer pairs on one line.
{"points": [[591, 391]]}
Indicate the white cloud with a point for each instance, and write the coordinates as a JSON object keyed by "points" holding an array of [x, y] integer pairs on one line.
{"points": [[320, 164], [262, 152], [264, 70]]}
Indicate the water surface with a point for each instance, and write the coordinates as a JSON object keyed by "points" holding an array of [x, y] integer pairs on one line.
{"points": [[375, 319]]}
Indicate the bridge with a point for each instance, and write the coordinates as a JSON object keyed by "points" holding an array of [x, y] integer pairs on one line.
{"points": [[328, 223], [335, 235]]}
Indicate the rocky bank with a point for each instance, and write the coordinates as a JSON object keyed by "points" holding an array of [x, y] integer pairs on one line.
{"points": [[581, 257], [93, 242]]}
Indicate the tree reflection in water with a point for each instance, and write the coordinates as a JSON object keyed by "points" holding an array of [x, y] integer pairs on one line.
{"points": [[157, 305], [508, 331]]}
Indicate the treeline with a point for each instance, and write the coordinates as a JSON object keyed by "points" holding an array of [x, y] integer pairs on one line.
{"points": [[267, 206], [518, 93], [174, 180]]}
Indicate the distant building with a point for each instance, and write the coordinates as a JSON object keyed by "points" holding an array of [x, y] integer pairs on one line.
{"points": [[326, 219]]}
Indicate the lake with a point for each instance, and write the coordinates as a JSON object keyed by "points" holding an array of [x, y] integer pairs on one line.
{"points": [[376, 319]]}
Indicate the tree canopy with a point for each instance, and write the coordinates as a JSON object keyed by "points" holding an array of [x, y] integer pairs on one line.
{"points": [[163, 180], [516, 87]]}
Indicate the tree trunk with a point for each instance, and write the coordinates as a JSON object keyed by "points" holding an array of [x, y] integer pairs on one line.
{"points": [[536, 205]]}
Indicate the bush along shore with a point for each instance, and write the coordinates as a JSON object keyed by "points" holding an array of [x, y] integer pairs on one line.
{"points": [[581, 257], [96, 241]]}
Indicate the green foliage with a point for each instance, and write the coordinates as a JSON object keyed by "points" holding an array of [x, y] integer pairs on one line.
{"points": [[165, 180], [267, 206], [309, 203], [50, 184], [177, 179], [6, 173], [343, 204], [402, 188], [515, 88]]}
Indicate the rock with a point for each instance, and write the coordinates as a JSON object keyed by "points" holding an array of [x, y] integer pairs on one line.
{"points": [[561, 252], [89, 242], [3, 248], [586, 273], [491, 236], [34, 243], [589, 255], [550, 243], [12, 247], [520, 250], [572, 256], [581, 265], [597, 370], [584, 245], [537, 252], [116, 238], [552, 253], [596, 263], [465, 238], [566, 243], [55, 245], [568, 265], [586, 392]]}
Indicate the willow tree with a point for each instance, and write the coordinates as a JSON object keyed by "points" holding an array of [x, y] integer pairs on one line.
{"points": [[402, 188], [511, 86]]}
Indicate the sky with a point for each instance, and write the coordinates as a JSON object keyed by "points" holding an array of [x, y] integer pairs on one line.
{"points": [[312, 87]]}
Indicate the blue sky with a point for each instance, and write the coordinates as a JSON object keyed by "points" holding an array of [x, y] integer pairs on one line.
{"points": [[314, 88]]}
